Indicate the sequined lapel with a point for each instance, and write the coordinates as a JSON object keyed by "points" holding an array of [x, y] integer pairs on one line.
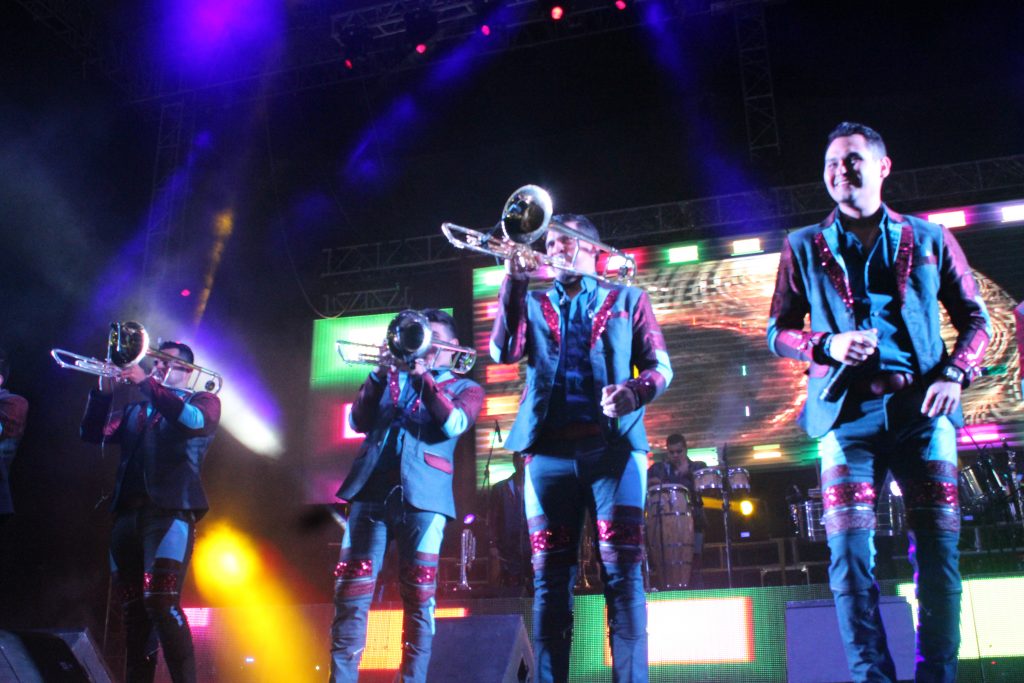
{"points": [[551, 318], [601, 319], [833, 270], [904, 260]]}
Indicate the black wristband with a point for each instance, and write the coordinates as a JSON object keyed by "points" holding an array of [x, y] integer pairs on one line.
{"points": [[821, 350], [952, 373]]}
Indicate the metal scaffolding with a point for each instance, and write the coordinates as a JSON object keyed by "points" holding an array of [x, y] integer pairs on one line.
{"points": [[756, 79], [747, 212]]}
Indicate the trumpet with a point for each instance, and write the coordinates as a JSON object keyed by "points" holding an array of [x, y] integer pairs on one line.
{"points": [[127, 345], [409, 337], [526, 218]]}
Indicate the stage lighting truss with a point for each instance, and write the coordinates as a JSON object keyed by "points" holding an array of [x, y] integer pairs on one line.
{"points": [[402, 24]]}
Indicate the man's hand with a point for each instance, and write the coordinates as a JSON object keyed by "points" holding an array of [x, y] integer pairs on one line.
{"points": [[418, 368], [522, 264], [853, 348], [618, 400], [134, 374], [941, 398], [387, 362]]}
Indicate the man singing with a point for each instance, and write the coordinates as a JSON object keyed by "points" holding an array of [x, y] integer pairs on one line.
{"points": [[883, 392], [580, 427]]}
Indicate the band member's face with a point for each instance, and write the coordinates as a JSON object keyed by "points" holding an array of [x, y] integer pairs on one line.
{"points": [[559, 244], [854, 173], [676, 454], [440, 358], [169, 373]]}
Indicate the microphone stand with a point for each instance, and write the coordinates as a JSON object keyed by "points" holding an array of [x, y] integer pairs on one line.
{"points": [[495, 436], [723, 467]]}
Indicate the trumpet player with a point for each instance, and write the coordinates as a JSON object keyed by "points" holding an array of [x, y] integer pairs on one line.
{"points": [[400, 487], [580, 427], [157, 501]]}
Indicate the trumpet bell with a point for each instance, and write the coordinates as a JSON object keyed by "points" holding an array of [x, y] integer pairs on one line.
{"points": [[127, 343], [409, 335], [526, 214]]}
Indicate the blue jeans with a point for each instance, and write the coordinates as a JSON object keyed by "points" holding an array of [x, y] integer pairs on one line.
{"points": [[558, 490], [873, 436], [370, 526], [150, 550]]}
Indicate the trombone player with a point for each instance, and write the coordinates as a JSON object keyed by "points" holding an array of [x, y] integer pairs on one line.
{"points": [[580, 428], [412, 410], [157, 501]]}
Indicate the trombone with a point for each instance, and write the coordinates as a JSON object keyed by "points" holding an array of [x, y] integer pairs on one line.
{"points": [[525, 219], [409, 337], [127, 345]]}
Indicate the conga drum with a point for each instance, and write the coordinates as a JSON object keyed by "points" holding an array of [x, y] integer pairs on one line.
{"points": [[708, 479], [669, 535]]}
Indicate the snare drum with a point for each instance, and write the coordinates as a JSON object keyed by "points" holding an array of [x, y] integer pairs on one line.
{"points": [[707, 479], [808, 519], [669, 535]]}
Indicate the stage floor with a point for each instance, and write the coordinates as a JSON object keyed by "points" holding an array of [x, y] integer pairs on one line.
{"points": [[702, 635]]}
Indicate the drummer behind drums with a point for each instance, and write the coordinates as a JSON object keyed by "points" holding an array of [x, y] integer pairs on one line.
{"points": [[677, 468]]}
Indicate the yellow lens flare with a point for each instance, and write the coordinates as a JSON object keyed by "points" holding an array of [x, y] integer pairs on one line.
{"points": [[268, 633]]}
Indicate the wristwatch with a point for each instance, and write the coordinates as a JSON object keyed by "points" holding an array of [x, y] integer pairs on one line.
{"points": [[952, 373]]}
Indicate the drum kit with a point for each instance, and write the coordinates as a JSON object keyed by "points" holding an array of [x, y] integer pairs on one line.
{"points": [[988, 490], [669, 523]]}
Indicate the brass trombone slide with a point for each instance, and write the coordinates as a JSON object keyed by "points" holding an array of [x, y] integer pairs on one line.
{"points": [[127, 345], [409, 337], [525, 219]]}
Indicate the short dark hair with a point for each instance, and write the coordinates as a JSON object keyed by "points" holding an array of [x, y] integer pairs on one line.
{"points": [[676, 438], [5, 364], [848, 128], [583, 224], [184, 351], [436, 315]]}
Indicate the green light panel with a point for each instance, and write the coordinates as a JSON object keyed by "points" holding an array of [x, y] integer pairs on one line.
{"points": [[487, 281], [327, 369], [989, 626], [689, 253], [709, 455]]}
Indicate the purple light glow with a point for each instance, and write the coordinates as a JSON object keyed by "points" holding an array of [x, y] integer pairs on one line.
{"points": [[469, 519], [982, 433], [222, 33]]}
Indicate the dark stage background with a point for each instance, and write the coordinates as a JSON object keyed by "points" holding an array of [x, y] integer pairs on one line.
{"points": [[263, 185]]}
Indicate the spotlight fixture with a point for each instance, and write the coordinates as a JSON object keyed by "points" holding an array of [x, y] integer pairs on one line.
{"points": [[485, 12], [354, 42], [420, 27], [555, 9]]}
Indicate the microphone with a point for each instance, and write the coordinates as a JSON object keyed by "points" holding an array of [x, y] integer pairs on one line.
{"points": [[837, 385], [497, 432]]}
